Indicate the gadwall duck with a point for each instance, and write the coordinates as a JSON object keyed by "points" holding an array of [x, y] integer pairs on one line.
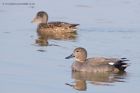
{"points": [[44, 31], [52, 27], [96, 64]]}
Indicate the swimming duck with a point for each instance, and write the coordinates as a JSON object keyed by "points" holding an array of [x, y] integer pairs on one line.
{"points": [[96, 64], [52, 27], [43, 32]]}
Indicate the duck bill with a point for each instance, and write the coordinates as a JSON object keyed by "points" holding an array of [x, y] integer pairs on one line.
{"points": [[34, 20], [70, 56]]}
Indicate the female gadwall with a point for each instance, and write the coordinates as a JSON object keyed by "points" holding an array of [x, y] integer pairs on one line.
{"points": [[52, 27], [96, 64], [44, 31]]}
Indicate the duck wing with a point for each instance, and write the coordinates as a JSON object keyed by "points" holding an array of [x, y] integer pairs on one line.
{"points": [[98, 60], [62, 24], [119, 63]]}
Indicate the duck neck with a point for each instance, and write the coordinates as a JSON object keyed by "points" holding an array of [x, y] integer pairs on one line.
{"points": [[81, 61], [45, 18]]}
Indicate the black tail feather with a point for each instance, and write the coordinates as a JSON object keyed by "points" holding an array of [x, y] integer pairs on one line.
{"points": [[121, 64], [124, 59]]}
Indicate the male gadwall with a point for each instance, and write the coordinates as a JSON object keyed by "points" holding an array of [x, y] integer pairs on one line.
{"points": [[96, 64], [52, 27]]}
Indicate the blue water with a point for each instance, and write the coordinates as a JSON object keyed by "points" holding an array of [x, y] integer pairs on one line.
{"points": [[108, 28]]}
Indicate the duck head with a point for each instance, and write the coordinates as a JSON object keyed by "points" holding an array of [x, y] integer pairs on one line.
{"points": [[41, 17], [79, 54]]}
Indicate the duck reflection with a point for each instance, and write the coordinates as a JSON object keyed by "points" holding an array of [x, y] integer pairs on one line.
{"points": [[104, 79], [42, 40], [79, 85]]}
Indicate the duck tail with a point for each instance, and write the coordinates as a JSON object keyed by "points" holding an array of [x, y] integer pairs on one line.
{"points": [[74, 25], [121, 64]]}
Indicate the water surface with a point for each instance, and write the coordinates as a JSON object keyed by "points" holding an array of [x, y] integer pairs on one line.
{"points": [[107, 28]]}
